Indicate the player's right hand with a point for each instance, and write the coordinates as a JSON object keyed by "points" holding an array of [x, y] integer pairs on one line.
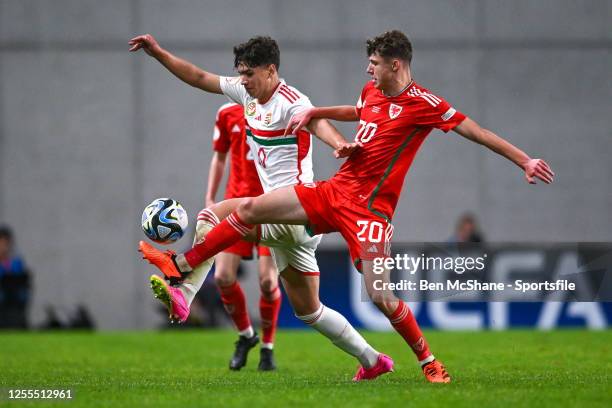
{"points": [[147, 42], [346, 149], [298, 121]]}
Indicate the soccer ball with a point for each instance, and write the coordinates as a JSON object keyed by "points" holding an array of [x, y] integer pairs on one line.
{"points": [[164, 220]]}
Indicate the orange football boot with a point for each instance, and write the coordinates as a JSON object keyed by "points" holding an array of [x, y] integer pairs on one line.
{"points": [[436, 373], [162, 260]]}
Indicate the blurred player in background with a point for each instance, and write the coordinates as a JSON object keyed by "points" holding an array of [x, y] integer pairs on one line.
{"points": [[229, 136], [281, 160], [395, 116]]}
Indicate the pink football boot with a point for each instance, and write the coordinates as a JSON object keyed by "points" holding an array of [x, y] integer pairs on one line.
{"points": [[383, 365], [172, 298]]}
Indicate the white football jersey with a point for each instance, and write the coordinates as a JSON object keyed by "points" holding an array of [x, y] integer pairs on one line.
{"points": [[280, 160]]}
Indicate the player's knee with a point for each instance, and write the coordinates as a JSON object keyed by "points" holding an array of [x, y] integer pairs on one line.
{"points": [[247, 210], [303, 306], [305, 311], [223, 278], [386, 306], [267, 284]]}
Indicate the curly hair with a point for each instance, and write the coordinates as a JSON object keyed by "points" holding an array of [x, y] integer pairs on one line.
{"points": [[391, 44], [258, 51]]}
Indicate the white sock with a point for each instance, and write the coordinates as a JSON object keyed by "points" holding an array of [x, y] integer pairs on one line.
{"points": [[427, 360], [193, 282], [248, 332], [335, 327], [267, 346]]}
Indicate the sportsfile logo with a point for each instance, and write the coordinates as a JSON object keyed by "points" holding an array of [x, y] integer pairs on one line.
{"points": [[411, 264]]}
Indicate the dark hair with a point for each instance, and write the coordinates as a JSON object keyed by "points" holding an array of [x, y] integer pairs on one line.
{"points": [[391, 44], [258, 51], [6, 232]]}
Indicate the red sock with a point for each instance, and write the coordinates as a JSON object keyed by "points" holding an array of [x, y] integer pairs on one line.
{"points": [[235, 304], [406, 325], [269, 306], [225, 234]]}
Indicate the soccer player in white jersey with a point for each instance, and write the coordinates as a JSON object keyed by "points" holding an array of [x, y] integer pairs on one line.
{"points": [[281, 160]]}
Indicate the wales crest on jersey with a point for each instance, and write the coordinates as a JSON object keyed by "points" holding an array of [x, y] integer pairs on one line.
{"points": [[394, 110]]}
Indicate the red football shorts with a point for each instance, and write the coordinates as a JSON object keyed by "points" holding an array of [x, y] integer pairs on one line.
{"points": [[244, 249], [367, 234]]}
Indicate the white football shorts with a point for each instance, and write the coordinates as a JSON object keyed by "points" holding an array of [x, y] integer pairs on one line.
{"points": [[291, 245]]}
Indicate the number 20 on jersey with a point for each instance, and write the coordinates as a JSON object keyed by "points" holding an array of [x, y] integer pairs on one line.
{"points": [[366, 131]]}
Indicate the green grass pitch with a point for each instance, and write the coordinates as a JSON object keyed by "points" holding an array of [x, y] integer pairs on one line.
{"points": [[189, 368]]}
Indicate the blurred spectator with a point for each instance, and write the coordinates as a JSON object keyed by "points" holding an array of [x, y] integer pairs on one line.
{"points": [[467, 230], [77, 317], [14, 284], [81, 319]]}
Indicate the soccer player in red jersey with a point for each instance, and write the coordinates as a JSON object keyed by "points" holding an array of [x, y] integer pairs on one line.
{"points": [[229, 136], [395, 115]]}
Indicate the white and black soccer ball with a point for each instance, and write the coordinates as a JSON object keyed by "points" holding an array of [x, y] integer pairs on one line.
{"points": [[164, 220]]}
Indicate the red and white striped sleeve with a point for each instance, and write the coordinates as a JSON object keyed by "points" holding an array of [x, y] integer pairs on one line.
{"points": [[434, 111]]}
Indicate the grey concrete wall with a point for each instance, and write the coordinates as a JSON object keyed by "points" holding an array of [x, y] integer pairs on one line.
{"points": [[90, 134]]}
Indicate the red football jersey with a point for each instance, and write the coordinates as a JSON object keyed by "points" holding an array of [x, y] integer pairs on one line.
{"points": [[391, 129], [230, 135]]}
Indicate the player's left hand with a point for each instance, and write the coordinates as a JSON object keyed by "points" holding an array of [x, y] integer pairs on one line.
{"points": [[298, 121], [346, 149], [538, 168]]}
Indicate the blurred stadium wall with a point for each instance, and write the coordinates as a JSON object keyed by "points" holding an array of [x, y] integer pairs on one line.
{"points": [[89, 134]]}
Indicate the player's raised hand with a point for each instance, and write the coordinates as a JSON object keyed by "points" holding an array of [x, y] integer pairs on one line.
{"points": [[147, 42], [346, 149], [298, 121], [538, 168]]}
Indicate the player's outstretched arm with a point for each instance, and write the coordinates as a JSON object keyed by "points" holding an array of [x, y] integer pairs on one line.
{"points": [[344, 113], [325, 131], [533, 168], [184, 70]]}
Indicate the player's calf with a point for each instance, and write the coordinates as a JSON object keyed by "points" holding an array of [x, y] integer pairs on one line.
{"points": [[335, 327]]}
